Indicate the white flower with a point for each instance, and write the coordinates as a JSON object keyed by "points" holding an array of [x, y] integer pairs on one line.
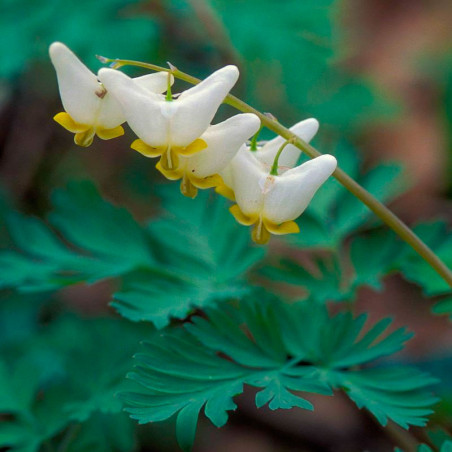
{"points": [[170, 128], [272, 202], [266, 154], [223, 140], [89, 108], [305, 129]]}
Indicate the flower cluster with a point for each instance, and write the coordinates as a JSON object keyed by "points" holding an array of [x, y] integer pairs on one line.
{"points": [[270, 191]]}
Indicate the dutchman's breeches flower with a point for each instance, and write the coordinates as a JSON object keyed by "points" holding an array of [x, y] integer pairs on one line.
{"points": [[170, 128], [266, 154], [223, 140], [269, 202], [89, 108]]}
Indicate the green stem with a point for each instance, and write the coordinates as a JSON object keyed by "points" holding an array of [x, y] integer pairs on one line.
{"points": [[169, 94], [360, 192], [253, 143], [274, 168]]}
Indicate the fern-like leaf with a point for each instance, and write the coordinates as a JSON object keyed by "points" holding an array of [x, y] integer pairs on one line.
{"points": [[280, 349]]}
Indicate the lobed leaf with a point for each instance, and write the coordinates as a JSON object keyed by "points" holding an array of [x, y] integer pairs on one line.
{"points": [[282, 350]]}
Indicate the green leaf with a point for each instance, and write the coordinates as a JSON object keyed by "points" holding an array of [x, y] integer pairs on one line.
{"points": [[324, 279], [335, 213], [297, 61], [106, 242], [205, 256], [89, 28], [282, 350], [104, 433], [438, 236], [70, 373], [373, 256], [443, 306], [194, 255]]}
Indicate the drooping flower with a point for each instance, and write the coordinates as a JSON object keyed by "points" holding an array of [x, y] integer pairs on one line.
{"points": [[223, 140], [305, 129], [170, 128], [270, 203], [266, 154], [89, 108]]}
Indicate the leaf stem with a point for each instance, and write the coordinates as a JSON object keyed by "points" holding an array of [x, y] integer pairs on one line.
{"points": [[397, 225]]}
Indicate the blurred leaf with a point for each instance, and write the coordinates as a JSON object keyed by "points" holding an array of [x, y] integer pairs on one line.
{"points": [[445, 447], [374, 256], [280, 349], [107, 242], [104, 433], [194, 256], [291, 55], [335, 213], [111, 27], [325, 281], [438, 236], [70, 372], [443, 306]]}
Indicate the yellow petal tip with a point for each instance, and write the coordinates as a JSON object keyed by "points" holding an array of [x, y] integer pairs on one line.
{"points": [[146, 150]]}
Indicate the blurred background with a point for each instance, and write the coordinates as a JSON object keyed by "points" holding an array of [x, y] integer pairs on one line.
{"points": [[375, 73]]}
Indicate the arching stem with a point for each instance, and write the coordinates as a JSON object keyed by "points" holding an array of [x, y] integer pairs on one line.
{"points": [[397, 225]]}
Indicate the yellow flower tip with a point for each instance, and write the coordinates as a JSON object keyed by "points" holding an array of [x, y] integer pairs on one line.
{"points": [[108, 134], [288, 227], [260, 234], [84, 139], [169, 174], [187, 188], [206, 182], [196, 146], [66, 121], [241, 217], [146, 150], [224, 190]]}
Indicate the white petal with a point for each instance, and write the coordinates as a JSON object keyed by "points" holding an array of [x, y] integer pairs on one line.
{"points": [[141, 108], [292, 191], [198, 105], [77, 84], [156, 82], [305, 129], [226, 172], [223, 141], [111, 114], [248, 182]]}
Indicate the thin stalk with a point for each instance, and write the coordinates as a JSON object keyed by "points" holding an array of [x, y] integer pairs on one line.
{"points": [[397, 225], [253, 143], [274, 168]]}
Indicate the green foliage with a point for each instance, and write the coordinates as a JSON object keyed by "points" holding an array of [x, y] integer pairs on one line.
{"points": [[335, 213], [330, 221], [280, 349], [291, 54], [446, 446], [438, 236], [106, 242], [111, 27], [205, 256], [193, 256], [67, 377]]}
